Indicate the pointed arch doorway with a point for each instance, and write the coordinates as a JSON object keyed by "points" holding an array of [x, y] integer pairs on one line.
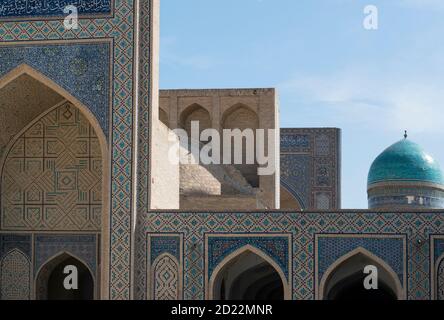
{"points": [[50, 280], [344, 279], [248, 274]]}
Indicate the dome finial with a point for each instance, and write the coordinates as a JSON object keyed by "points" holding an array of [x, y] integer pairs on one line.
{"points": [[405, 134]]}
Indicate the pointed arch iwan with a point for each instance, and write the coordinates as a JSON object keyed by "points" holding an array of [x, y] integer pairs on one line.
{"points": [[25, 69], [286, 283]]}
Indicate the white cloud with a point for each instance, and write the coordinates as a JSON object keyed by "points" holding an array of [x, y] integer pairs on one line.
{"points": [[359, 97]]}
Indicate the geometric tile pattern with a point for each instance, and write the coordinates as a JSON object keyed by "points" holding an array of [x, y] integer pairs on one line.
{"points": [[22, 242], [83, 69], [120, 28], [52, 176], [303, 227], [30, 8], [166, 278], [15, 271], [144, 127], [310, 166], [165, 244], [295, 176], [390, 250], [163, 277], [82, 246], [219, 248]]}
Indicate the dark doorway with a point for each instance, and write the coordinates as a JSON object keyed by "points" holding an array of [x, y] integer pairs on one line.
{"points": [[50, 281], [352, 288], [258, 283], [249, 277]]}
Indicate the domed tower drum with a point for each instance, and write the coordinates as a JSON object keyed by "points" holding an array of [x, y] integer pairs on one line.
{"points": [[404, 176]]}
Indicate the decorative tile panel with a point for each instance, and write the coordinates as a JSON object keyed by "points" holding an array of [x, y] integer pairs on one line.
{"points": [[15, 276], [47, 8], [22, 242], [83, 69], [310, 165], [81, 246], [389, 249], [275, 247], [303, 227], [120, 27], [52, 176]]}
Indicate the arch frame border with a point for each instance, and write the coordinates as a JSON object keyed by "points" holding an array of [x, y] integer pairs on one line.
{"points": [[105, 231], [179, 274], [36, 274], [210, 279], [30, 265], [434, 266], [401, 288], [149, 263]]}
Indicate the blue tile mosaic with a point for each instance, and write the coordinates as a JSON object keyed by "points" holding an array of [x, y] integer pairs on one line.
{"points": [[295, 176], [292, 142], [220, 247], [391, 250], [82, 246], [167, 244], [81, 69], [9, 242]]}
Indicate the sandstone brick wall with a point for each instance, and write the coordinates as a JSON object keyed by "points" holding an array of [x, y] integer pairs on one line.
{"points": [[227, 108], [218, 203]]}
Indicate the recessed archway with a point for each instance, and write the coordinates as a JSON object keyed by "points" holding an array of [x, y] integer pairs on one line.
{"points": [[51, 276], [344, 279], [195, 112], [243, 117], [47, 96], [248, 274]]}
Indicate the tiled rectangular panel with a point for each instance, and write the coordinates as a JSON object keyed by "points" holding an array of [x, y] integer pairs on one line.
{"points": [[50, 8]]}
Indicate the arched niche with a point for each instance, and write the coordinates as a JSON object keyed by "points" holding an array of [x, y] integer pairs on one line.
{"points": [[32, 96], [248, 274], [166, 280], [344, 279], [195, 112], [49, 284], [242, 117], [15, 276]]}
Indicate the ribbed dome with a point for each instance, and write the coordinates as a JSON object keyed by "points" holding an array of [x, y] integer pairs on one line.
{"points": [[405, 161]]}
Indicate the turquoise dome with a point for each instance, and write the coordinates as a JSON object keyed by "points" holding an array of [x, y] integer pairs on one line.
{"points": [[405, 161]]}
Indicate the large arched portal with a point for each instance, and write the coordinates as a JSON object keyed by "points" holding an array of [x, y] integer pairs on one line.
{"points": [[344, 280], [248, 274], [50, 283], [54, 176]]}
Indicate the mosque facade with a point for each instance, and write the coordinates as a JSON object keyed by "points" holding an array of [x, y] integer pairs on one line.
{"points": [[85, 181]]}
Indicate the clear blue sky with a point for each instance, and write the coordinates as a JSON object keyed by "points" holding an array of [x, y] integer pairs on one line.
{"points": [[329, 70]]}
